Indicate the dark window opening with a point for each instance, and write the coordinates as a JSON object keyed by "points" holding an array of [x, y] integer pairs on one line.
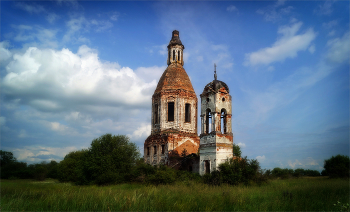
{"points": [[156, 119], [208, 121], [155, 150], [208, 99], [187, 113], [223, 121], [169, 52], [178, 56], [223, 99], [190, 168], [147, 150], [182, 57], [170, 111], [163, 149], [173, 55], [207, 166]]}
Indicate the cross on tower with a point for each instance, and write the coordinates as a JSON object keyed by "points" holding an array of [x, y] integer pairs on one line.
{"points": [[215, 76]]}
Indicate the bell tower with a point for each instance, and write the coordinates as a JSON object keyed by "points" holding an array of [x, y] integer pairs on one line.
{"points": [[174, 111], [216, 138]]}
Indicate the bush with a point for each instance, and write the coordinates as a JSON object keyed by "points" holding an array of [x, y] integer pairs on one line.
{"points": [[239, 170], [163, 175], [337, 166]]}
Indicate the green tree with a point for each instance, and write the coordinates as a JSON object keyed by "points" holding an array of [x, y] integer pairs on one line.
{"points": [[337, 166], [236, 151], [6, 158]]}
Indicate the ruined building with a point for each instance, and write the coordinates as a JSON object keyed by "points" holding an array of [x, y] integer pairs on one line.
{"points": [[174, 118]]}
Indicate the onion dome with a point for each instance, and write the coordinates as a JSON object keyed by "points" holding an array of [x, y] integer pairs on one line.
{"points": [[174, 78]]}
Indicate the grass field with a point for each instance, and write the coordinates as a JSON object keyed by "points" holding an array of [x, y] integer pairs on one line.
{"points": [[305, 194]]}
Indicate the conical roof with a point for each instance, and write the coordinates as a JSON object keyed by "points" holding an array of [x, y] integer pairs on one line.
{"points": [[174, 78]]}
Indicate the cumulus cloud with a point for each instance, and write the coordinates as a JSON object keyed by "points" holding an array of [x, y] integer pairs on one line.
{"points": [[241, 144], [50, 80], [4, 52], [261, 158], [339, 49], [286, 46], [143, 131], [35, 154], [308, 163]]}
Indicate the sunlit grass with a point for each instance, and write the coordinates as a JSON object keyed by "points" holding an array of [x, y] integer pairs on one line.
{"points": [[307, 194]]}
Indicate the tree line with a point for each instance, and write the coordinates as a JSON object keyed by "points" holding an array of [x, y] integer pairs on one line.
{"points": [[113, 159]]}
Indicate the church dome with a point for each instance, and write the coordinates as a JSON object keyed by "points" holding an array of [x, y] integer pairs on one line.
{"points": [[216, 85], [174, 78]]}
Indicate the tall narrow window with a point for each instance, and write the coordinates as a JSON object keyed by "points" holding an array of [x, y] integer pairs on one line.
{"points": [[173, 55], [207, 166], [163, 149], [169, 52], [178, 56], [223, 121], [156, 119], [170, 111], [155, 150], [208, 121], [147, 150], [187, 113]]}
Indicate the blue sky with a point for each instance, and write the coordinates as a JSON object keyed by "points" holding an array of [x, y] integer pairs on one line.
{"points": [[72, 71]]}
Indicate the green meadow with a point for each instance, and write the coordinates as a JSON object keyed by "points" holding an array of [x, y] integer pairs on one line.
{"points": [[303, 194]]}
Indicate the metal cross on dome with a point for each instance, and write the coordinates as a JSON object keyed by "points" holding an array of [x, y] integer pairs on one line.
{"points": [[215, 76]]}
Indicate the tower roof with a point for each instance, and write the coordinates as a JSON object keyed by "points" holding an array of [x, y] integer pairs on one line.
{"points": [[215, 85], [175, 39], [174, 78]]}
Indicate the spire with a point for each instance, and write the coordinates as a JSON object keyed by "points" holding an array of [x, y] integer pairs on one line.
{"points": [[215, 76], [175, 49]]}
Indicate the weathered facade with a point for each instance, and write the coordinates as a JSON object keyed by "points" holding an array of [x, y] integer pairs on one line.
{"points": [[174, 111], [174, 119], [216, 138]]}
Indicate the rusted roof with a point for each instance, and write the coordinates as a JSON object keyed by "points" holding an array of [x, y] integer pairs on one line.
{"points": [[216, 85], [174, 78]]}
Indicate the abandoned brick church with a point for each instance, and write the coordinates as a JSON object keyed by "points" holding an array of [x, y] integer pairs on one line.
{"points": [[174, 119]]}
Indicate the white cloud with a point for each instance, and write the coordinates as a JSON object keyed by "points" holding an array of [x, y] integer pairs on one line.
{"points": [[285, 47], [293, 164], [241, 144], [261, 158], [339, 49], [4, 52], [115, 16], [51, 80], [52, 17], [33, 154], [232, 8], [274, 12], [143, 131], [330, 24], [312, 49], [331, 33], [325, 8], [35, 8]]}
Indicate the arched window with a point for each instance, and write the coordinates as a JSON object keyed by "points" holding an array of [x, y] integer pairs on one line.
{"points": [[155, 117], [174, 55], [208, 121], [223, 121]]}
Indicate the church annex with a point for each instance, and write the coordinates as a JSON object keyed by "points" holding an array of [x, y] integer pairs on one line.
{"points": [[174, 118]]}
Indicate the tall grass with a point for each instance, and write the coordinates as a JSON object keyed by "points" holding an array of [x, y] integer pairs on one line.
{"points": [[306, 194]]}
